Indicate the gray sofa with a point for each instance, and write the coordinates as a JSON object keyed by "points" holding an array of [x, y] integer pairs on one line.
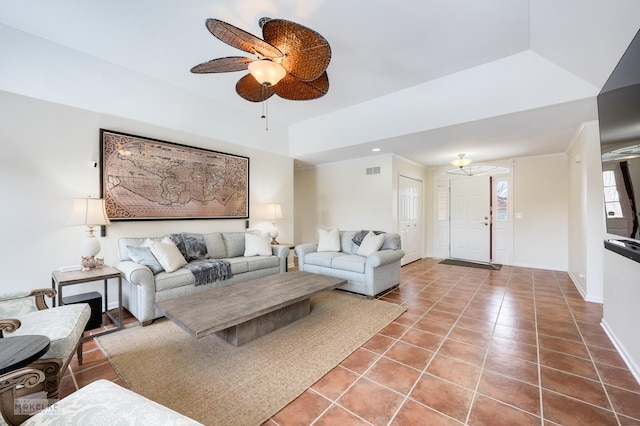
{"points": [[369, 275], [141, 288]]}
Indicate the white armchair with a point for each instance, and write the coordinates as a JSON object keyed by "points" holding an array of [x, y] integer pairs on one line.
{"points": [[26, 313]]}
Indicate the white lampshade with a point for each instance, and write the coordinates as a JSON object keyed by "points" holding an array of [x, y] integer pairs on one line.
{"points": [[267, 72], [88, 211], [274, 211]]}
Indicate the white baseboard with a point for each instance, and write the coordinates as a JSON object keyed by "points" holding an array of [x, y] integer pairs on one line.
{"points": [[586, 297], [633, 367]]}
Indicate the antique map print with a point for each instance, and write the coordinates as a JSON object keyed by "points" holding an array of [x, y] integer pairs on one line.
{"points": [[149, 179]]}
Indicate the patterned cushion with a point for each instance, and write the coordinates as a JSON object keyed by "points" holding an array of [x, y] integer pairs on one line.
{"points": [[63, 325], [104, 402]]}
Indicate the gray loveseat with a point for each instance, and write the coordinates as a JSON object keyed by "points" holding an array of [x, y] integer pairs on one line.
{"points": [[370, 275], [142, 288]]}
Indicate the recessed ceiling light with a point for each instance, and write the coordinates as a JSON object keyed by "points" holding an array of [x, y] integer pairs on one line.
{"points": [[376, 150]]}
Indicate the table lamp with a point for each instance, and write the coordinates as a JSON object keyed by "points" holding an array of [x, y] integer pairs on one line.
{"points": [[274, 212], [91, 213]]}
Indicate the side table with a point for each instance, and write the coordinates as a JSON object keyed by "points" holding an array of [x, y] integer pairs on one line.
{"points": [[62, 279]]}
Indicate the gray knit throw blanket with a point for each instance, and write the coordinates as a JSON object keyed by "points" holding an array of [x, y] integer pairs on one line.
{"points": [[209, 270]]}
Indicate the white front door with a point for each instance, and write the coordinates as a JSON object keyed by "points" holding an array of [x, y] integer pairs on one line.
{"points": [[410, 218], [470, 225]]}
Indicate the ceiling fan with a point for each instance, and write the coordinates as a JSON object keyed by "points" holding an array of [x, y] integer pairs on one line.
{"points": [[291, 60]]}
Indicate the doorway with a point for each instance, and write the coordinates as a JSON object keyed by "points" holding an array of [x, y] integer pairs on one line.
{"points": [[410, 218], [470, 224]]}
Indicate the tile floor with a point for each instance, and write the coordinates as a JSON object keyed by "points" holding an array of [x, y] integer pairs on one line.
{"points": [[512, 347]]}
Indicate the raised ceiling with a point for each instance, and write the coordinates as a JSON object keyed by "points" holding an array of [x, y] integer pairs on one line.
{"points": [[423, 79]]}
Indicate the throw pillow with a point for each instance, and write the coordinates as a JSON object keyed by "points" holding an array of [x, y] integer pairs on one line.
{"points": [[257, 245], [143, 256], [168, 254], [329, 240], [370, 244]]}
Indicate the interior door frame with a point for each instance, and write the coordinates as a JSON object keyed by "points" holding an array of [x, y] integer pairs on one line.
{"points": [[502, 230]]}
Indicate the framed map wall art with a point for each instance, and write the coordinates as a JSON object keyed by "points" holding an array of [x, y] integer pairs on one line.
{"points": [[150, 179]]}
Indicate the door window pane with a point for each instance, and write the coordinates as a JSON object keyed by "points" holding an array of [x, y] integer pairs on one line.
{"points": [[502, 193]]}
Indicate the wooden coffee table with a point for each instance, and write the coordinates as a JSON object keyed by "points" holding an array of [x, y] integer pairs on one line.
{"points": [[245, 311]]}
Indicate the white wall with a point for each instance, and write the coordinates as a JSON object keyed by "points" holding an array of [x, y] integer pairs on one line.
{"points": [[47, 148], [586, 224], [621, 314], [342, 195], [540, 186]]}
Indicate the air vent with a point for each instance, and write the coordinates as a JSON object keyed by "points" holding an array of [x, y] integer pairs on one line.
{"points": [[373, 170]]}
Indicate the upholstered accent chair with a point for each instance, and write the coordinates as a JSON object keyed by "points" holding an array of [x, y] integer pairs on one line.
{"points": [[26, 313], [101, 402]]}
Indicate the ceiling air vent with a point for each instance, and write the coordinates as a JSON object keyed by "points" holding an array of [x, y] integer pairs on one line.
{"points": [[373, 170]]}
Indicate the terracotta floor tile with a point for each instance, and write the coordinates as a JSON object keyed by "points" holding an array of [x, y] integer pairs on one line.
{"points": [[455, 371], [566, 346], [454, 310], [512, 367], [449, 307], [607, 357], [570, 364], [515, 322], [619, 377], [339, 416], [570, 412], [335, 382], [442, 316], [379, 343], [486, 411], [422, 339], [394, 330], [67, 386], [433, 326], [359, 360], [601, 341], [475, 325], [442, 396], [470, 337], [480, 313], [471, 354], [410, 355], [515, 334], [89, 359], [102, 371], [510, 391], [393, 375], [407, 319], [413, 413], [371, 401], [302, 410], [586, 390], [625, 402], [514, 349]]}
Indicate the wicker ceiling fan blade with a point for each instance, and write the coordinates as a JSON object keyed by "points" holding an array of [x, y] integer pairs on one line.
{"points": [[295, 89], [306, 53], [228, 64], [241, 39], [248, 88]]}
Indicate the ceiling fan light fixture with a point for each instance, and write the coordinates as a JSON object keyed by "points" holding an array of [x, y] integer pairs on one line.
{"points": [[267, 72], [461, 161]]}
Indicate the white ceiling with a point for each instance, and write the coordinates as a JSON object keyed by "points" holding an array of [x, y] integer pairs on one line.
{"points": [[424, 79]]}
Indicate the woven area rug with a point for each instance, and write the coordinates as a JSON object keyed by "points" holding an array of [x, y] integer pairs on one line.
{"points": [[216, 383], [455, 262]]}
